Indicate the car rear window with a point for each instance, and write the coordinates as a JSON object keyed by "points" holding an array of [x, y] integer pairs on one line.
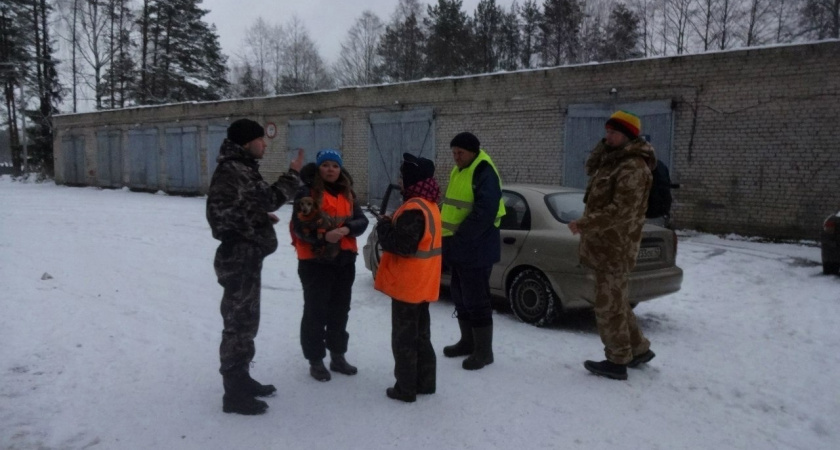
{"points": [[565, 206]]}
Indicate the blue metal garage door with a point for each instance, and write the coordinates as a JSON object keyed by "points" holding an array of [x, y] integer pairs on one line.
{"points": [[144, 160], [216, 134], [313, 136], [73, 154], [585, 127], [182, 162], [391, 135], [109, 158]]}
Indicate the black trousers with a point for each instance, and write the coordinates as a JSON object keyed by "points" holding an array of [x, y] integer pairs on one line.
{"points": [[238, 268], [415, 364], [470, 291], [326, 306]]}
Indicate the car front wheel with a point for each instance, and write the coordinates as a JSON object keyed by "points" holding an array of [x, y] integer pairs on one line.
{"points": [[532, 299]]}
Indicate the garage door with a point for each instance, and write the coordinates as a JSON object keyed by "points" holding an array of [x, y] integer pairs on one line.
{"points": [[585, 127], [391, 135], [144, 161], [313, 136], [73, 154], [109, 158], [182, 163]]}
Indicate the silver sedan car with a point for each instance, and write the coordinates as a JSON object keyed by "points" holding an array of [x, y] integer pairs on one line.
{"points": [[540, 274]]}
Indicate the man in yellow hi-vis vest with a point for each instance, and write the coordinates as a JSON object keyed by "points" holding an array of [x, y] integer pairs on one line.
{"points": [[471, 213]]}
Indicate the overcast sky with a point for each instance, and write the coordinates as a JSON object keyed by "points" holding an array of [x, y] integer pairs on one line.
{"points": [[326, 20]]}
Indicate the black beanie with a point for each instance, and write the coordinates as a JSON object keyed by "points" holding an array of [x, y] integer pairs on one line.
{"points": [[415, 169], [467, 141], [244, 131]]}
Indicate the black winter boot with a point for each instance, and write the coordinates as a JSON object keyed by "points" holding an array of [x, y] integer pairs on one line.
{"points": [[318, 370], [463, 347], [243, 404], [483, 354], [641, 359], [238, 398], [607, 368], [256, 388], [340, 365], [397, 394]]}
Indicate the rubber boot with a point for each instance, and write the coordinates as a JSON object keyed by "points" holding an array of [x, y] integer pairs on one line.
{"points": [[463, 347], [237, 398], [340, 365], [483, 354], [258, 389]]}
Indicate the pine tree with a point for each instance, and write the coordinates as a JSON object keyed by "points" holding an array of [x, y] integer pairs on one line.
{"points": [[48, 90], [15, 54], [820, 19], [449, 43], [182, 58], [561, 31], [623, 39], [510, 42], [487, 31], [401, 49], [531, 20]]}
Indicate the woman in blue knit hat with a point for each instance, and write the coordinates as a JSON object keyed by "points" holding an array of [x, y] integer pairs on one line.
{"points": [[327, 277]]}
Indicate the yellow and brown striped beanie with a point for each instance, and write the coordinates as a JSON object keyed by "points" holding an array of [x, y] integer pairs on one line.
{"points": [[625, 122]]}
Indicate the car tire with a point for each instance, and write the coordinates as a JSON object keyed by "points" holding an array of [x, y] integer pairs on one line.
{"points": [[830, 268], [531, 298], [375, 257]]}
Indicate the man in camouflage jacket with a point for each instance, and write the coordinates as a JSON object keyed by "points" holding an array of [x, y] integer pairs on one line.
{"points": [[610, 234], [239, 206]]}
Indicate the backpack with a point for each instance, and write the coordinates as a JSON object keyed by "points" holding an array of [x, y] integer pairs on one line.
{"points": [[659, 199]]}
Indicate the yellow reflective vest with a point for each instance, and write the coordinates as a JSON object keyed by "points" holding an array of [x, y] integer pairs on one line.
{"points": [[459, 199]]}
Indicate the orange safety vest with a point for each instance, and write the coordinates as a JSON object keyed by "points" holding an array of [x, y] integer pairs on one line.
{"points": [[341, 210], [415, 278]]}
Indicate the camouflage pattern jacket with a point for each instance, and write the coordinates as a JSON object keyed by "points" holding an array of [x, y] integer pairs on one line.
{"points": [[239, 200], [616, 200]]}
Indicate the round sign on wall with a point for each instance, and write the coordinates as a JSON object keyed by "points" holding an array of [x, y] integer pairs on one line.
{"points": [[270, 130]]}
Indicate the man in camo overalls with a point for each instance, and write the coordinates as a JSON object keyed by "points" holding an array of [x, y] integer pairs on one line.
{"points": [[610, 235]]}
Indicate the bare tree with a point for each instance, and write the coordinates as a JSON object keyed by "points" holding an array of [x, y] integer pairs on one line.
{"points": [[303, 68], [820, 19], [93, 45], [260, 49], [704, 22], [677, 15], [729, 15], [783, 16], [758, 23], [648, 13], [359, 63]]}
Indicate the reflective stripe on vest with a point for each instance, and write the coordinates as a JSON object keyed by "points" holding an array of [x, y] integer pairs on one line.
{"points": [[340, 210], [415, 278], [460, 197]]}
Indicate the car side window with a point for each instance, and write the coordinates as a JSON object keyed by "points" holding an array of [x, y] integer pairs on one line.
{"points": [[517, 216]]}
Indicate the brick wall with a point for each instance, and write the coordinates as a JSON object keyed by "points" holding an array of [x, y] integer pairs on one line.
{"points": [[755, 131]]}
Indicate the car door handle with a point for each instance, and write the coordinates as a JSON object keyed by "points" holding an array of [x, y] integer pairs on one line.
{"points": [[509, 240]]}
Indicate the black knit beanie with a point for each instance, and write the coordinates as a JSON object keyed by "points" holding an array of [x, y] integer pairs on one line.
{"points": [[244, 131], [467, 141], [415, 169]]}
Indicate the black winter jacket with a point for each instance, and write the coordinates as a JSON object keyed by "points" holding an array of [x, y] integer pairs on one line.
{"points": [[476, 242]]}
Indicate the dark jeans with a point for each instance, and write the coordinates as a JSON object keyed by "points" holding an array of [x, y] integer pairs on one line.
{"points": [[326, 306], [238, 269], [415, 363], [470, 290]]}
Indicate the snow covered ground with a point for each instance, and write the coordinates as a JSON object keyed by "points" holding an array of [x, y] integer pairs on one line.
{"points": [[119, 348]]}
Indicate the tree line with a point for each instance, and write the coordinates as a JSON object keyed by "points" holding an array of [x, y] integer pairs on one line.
{"points": [[64, 54]]}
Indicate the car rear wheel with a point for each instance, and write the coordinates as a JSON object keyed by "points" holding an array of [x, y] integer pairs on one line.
{"points": [[375, 257], [831, 268], [532, 299]]}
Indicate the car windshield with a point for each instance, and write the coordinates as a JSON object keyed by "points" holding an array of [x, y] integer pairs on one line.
{"points": [[565, 206]]}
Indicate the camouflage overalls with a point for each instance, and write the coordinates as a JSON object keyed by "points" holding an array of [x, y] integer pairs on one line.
{"points": [[611, 232], [238, 204]]}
